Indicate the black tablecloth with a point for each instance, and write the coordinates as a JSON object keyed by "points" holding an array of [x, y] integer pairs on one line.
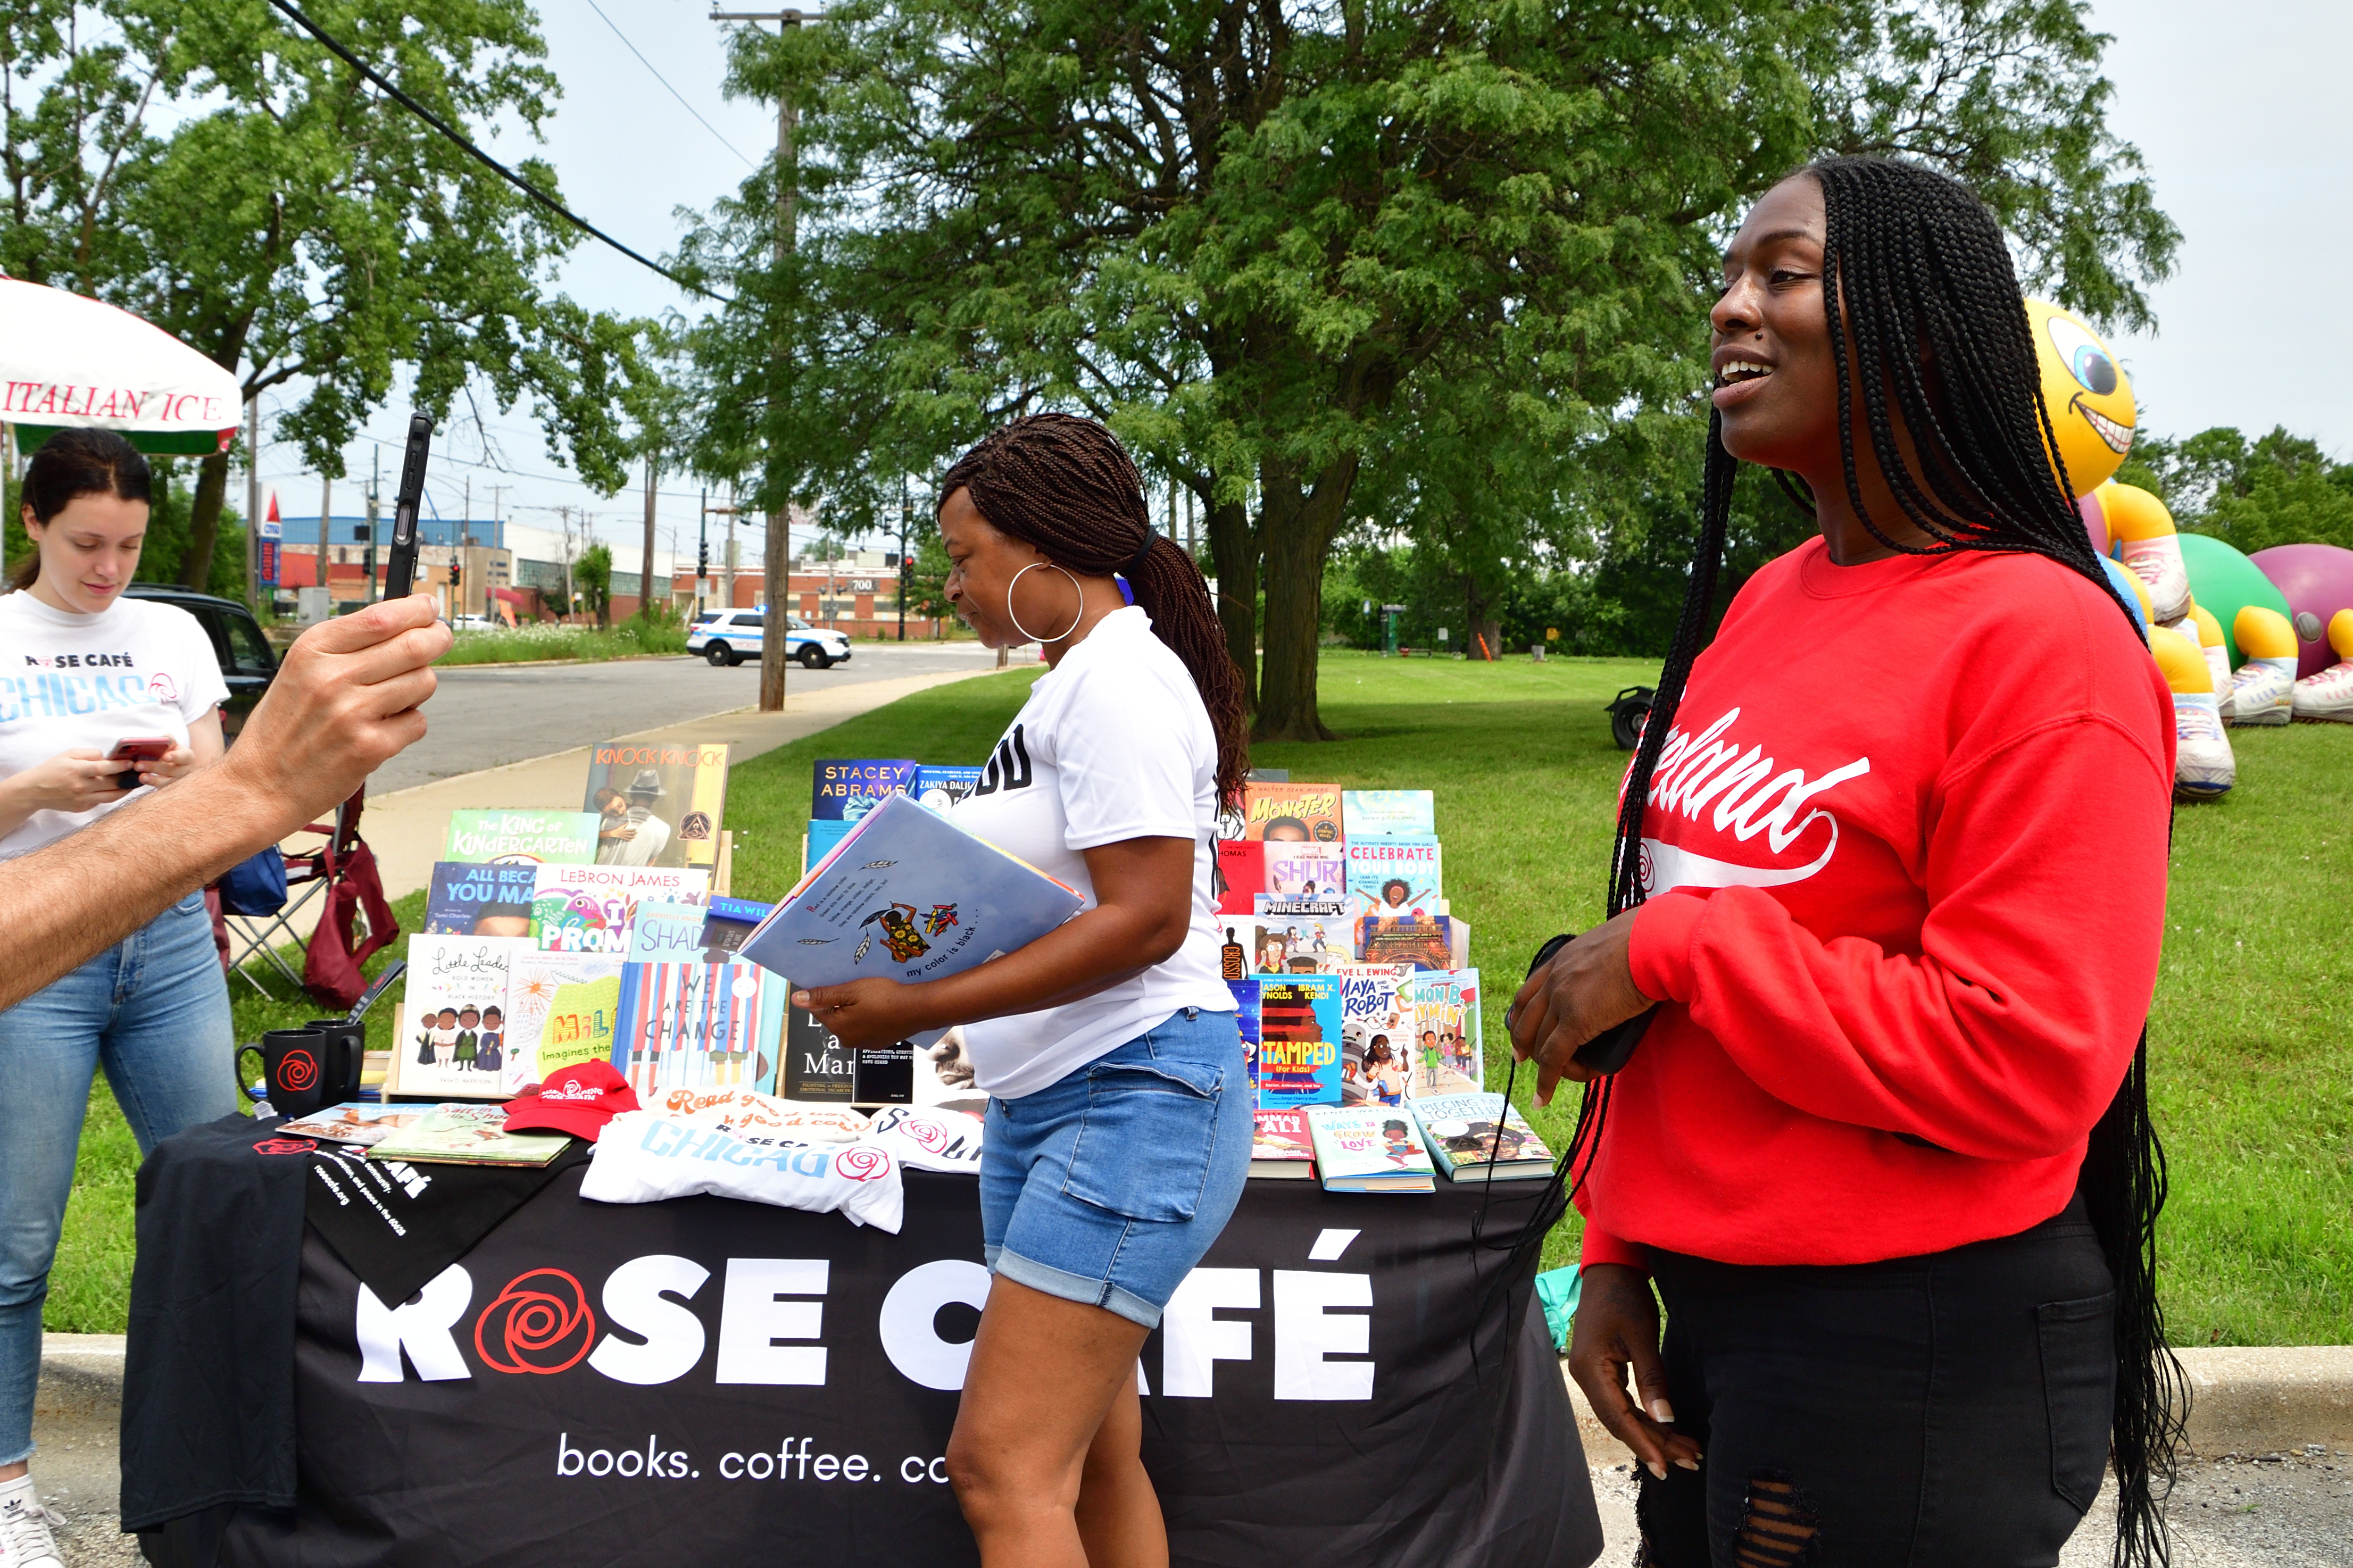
{"points": [[705, 1378]]}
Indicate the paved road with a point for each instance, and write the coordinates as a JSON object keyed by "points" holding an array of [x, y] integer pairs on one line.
{"points": [[487, 715]]}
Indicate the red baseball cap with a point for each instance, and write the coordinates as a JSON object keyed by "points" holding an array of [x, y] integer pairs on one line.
{"points": [[578, 1100]]}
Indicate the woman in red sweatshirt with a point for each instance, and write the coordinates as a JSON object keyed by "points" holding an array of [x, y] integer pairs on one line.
{"points": [[1891, 865]]}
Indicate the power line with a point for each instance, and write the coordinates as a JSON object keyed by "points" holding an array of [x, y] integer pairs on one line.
{"points": [[452, 132], [664, 81]]}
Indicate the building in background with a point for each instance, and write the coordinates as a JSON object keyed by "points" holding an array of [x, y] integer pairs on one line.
{"points": [[498, 562]]}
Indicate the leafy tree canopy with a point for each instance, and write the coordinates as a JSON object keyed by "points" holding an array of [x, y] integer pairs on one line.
{"points": [[2277, 490]]}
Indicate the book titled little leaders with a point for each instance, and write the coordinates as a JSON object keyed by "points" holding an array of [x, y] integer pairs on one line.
{"points": [[1369, 1149], [908, 896]]}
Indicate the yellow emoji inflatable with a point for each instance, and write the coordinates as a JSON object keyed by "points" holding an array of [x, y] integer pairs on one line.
{"points": [[2090, 400]]}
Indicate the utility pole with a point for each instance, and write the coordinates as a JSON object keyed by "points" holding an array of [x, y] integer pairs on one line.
{"points": [[253, 501], [727, 564], [326, 505], [905, 575], [646, 576], [701, 549], [776, 563], [367, 556]]}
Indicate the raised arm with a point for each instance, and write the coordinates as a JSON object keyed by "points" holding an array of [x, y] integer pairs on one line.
{"points": [[346, 698]]}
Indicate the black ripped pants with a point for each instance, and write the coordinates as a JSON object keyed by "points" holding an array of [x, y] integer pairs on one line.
{"points": [[1948, 1411]]}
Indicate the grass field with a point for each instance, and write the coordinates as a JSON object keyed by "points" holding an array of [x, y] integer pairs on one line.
{"points": [[2252, 1036], [547, 639]]}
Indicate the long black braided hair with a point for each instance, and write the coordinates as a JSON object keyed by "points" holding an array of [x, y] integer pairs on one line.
{"points": [[1066, 485], [1915, 268]]}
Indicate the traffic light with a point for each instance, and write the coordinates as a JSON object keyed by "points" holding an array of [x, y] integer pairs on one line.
{"points": [[702, 558], [453, 574]]}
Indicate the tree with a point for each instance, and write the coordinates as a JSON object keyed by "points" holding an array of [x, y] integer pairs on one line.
{"points": [[927, 579], [591, 576], [2277, 490], [293, 225], [1433, 248]]}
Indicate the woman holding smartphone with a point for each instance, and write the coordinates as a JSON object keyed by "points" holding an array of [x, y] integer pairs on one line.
{"points": [[82, 670], [1895, 848], [1119, 1112]]}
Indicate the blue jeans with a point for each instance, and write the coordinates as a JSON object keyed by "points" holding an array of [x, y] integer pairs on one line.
{"points": [[1105, 1188], [153, 1012]]}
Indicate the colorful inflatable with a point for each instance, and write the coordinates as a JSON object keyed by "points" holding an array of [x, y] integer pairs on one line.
{"points": [[2143, 536], [2216, 651], [2328, 695], [2203, 765], [2091, 402], [2316, 581], [2260, 691], [2225, 583]]}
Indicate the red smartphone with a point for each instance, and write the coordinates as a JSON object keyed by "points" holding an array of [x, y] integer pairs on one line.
{"points": [[138, 749]]}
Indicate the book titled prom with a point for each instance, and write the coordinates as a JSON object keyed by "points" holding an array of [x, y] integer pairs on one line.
{"points": [[907, 895]]}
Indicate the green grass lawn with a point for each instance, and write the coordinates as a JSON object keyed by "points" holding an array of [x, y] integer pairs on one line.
{"points": [[548, 639], [2251, 1037]]}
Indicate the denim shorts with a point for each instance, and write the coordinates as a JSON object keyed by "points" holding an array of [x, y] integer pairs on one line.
{"points": [[1107, 1187]]}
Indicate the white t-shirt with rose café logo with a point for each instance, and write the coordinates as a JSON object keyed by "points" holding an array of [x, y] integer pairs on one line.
{"points": [[68, 682]]}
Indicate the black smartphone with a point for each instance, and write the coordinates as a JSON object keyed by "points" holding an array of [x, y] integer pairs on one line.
{"points": [[400, 572], [1610, 1049]]}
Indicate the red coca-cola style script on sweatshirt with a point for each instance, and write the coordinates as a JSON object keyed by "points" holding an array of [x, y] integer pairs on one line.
{"points": [[1905, 855]]}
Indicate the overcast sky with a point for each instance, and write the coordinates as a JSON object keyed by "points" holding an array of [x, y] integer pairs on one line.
{"points": [[2229, 106]]}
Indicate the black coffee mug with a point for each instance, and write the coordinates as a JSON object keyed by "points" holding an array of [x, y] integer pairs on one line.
{"points": [[292, 1069], [340, 1065]]}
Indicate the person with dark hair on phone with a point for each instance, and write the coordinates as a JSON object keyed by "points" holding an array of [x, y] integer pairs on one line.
{"points": [[1883, 1148], [108, 961]]}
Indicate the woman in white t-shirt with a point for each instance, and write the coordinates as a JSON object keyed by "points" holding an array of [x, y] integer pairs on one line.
{"points": [[1119, 1113], [81, 669]]}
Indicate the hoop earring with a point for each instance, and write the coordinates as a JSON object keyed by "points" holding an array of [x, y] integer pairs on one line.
{"points": [[1025, 631]]}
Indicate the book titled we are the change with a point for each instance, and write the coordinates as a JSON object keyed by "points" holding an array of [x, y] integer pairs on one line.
{"points": [[907, 895]]}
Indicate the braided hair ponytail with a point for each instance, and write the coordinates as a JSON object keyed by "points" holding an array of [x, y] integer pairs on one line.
{"points": [[1068, 487], [1915, 268]]}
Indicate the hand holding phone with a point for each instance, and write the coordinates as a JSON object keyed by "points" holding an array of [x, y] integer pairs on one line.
{"points": [[400, 568], [139, 748]]}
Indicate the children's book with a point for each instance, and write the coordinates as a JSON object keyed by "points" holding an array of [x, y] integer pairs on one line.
{"points": [[587, 908], [1425, 942], [1449, 1054], [1393, 877], [1299, 1041], [1297, 936], [1369, 1149], [1280, 1145], [453, 1015], [1239, 874], [356, 1122], [470, 899], [1376, 1023], [824, 833], [561, 1011], [1305, 870], [658, 805], [1388, 814], [1291, 813], [1246, 1021], [698, 1025], [525, 838], [844, 789], [663, 933], [909, 895], [729, 923], [1461, 1134], [941, 787], [468, 1135]]}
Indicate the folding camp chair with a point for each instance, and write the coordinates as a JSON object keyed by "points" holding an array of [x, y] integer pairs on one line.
{"points": [[340, 870]]}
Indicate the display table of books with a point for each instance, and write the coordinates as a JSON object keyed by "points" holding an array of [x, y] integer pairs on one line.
{"points": [[705, 1378]]}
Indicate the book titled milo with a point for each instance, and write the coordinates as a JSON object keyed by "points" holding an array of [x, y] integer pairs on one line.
{"points": [[521, 837], [561, 1011]]}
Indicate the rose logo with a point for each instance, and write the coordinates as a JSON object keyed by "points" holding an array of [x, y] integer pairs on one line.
{"points": [[296, 1070], [533, 1319], [163, 689], [927, 1134], [285, 1146], [861, 1163]]}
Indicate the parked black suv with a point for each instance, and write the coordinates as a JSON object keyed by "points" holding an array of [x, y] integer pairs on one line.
{"points": [[246, 660]]}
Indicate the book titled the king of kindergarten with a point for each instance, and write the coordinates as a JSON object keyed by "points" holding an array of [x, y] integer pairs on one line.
{"points": [[907, 895]]}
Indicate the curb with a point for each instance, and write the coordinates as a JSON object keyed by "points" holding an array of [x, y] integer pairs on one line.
{"points": [[2244, 1401]]}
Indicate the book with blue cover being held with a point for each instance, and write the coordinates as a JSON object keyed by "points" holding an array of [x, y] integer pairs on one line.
{"points": [[907, 895]]}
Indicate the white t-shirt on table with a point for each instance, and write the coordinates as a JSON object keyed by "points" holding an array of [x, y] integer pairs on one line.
{"points": [[1113, 744], [68, 682]]}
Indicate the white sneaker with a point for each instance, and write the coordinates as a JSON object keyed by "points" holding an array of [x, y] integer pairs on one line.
{"points": [[2325, 697], [2203, 765], [2262, 692], [25, 1537]]}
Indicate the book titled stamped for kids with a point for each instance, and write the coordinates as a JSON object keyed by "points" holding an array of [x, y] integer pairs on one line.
{"points": [[908, 895]]}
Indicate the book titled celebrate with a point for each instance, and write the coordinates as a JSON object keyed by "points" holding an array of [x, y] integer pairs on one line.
{"points": [[907, 895]]}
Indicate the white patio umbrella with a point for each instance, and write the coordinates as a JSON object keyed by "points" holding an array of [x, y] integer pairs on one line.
{"points": [[66, 360]]}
